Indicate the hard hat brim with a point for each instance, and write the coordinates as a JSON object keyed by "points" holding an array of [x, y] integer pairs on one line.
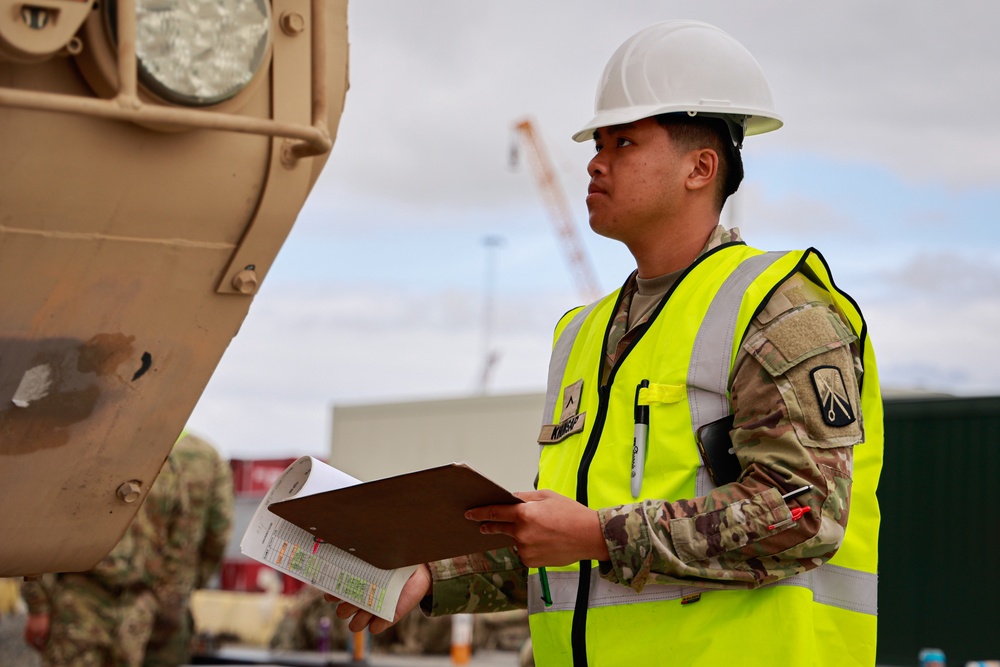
{"points": [[757, 123]]}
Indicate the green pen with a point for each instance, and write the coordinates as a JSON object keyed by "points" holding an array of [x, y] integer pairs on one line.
{"points": [[546, 593]]}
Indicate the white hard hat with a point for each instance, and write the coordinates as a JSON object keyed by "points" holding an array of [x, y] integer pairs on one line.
{"points": [[683, 66]]}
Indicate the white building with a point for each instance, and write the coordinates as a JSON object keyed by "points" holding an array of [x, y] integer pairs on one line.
{"points": [[496, 435]]}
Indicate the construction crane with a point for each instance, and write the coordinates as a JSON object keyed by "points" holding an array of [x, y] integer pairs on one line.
{"points": [[559, 211]]}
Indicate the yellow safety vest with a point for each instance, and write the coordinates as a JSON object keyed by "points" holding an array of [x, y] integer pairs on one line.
{"points": [[826, 616]]}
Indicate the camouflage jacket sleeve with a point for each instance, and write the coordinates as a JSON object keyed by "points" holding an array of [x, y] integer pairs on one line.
{"points": [[159, 528], [491, 581], [794, 391], [35, 595], [218, 522]]}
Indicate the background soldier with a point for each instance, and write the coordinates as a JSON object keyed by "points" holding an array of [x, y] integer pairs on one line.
{"points": [[105, 616], [208, 483]]}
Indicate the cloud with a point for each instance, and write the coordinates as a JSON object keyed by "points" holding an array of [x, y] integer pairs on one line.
{"points": [[887, 163], [435, 91], [301, 351], [937, 345], [933, 317], [948, 278], [755, 209]]}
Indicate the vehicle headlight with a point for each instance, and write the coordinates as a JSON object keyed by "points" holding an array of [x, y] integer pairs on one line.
{"points": [[199, 52]]}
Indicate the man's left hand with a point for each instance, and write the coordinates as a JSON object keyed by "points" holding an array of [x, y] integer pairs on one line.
{"points": [[549, 529]]}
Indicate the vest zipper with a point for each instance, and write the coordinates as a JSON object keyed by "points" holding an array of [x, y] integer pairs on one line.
{"points": [[578, 635]]}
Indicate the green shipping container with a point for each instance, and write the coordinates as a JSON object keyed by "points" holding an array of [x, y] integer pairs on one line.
{"points": [[939, 547]]}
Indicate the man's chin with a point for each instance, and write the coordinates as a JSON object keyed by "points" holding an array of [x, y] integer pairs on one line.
{"points": [[603, 228]]}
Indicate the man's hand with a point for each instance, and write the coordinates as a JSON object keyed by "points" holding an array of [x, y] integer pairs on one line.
{"points": [[36, 631], [414, 590], [548, 528]]}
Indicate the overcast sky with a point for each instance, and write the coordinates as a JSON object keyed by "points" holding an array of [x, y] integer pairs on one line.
{"points": [[889, 163]]}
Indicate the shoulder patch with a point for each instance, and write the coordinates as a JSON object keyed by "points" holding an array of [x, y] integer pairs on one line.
{"points": [[796, 336], [834, 402]]}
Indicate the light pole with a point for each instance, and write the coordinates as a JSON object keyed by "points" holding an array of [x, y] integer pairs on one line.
{"points": [[490, 356]]}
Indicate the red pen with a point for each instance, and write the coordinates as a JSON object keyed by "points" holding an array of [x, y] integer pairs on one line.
{"points": [[796, 515]]}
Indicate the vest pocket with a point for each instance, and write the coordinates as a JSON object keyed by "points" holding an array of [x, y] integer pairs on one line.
{"points": [[808, 353]]}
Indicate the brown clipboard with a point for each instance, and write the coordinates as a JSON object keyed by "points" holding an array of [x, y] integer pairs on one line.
{"points": [[413, 518]]}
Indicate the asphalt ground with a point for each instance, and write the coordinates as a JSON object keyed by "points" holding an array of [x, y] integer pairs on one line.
{"points": [[264, 658], [14, 652]]}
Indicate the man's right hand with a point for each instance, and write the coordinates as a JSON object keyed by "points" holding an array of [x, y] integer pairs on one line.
{"points": [[414, 590], [36, 631]]}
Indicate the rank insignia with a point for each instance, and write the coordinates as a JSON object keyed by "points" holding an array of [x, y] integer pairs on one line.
{"points": [[570, 421], [834, 404]]}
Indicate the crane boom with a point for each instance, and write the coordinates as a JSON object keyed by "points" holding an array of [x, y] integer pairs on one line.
{"points": [[559, 212]]}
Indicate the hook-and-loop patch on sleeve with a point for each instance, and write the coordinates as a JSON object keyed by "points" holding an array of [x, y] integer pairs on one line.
{"points": [[807, 351]]}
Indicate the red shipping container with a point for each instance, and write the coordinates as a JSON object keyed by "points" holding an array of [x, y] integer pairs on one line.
{"points": [[253, 477], [250, 576]]}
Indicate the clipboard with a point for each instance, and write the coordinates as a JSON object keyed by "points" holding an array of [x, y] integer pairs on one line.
{"points": [[398, 521]]}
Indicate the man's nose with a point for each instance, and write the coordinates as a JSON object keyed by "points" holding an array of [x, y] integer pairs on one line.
{"points": [[596, 166]]}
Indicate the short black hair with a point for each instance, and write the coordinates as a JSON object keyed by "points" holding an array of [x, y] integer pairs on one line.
{"points": [[708, 132]]}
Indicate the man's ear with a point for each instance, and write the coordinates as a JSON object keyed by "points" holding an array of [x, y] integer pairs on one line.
{"points": [[704, 168]]}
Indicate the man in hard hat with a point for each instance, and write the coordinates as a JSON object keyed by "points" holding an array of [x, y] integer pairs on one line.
{"points": [[711, 352]]}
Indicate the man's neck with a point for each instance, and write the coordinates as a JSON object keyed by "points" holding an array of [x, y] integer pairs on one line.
{"points": [[672, 250]]}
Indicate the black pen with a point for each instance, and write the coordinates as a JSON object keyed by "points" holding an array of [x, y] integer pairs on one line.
{"points": [[639, 441]]}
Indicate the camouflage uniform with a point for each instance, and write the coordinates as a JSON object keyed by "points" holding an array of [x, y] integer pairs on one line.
{"points": [[299, 629], [779, 435], [414, 634], [104, 617], [205, 527]]}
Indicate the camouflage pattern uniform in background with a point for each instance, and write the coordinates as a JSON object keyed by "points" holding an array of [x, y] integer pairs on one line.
{"points": [[104, 617], [299, 629], [782, 441], [415, 634], [14, 649], [206, 527]]}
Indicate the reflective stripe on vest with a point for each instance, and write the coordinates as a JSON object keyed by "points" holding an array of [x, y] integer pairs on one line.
{"points": [[560, 357], [708, 375], [830, 585], [708, 380]]}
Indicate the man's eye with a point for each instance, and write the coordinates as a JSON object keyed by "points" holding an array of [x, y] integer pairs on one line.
{"points": [[598, 147], [622, 142]]}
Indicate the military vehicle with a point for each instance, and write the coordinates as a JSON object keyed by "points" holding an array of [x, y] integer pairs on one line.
{"points": [[154, 155]]}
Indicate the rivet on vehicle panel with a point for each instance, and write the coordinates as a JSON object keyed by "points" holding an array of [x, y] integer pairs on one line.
{"points": [[245, 282], [130, 491], [292, 23], [74, 46]]}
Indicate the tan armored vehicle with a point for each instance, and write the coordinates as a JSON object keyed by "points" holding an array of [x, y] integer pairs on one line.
{"points": [[154, 155]]}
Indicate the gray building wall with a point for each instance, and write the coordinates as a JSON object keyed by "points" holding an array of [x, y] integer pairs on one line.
{"points": [[496, 435]]}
